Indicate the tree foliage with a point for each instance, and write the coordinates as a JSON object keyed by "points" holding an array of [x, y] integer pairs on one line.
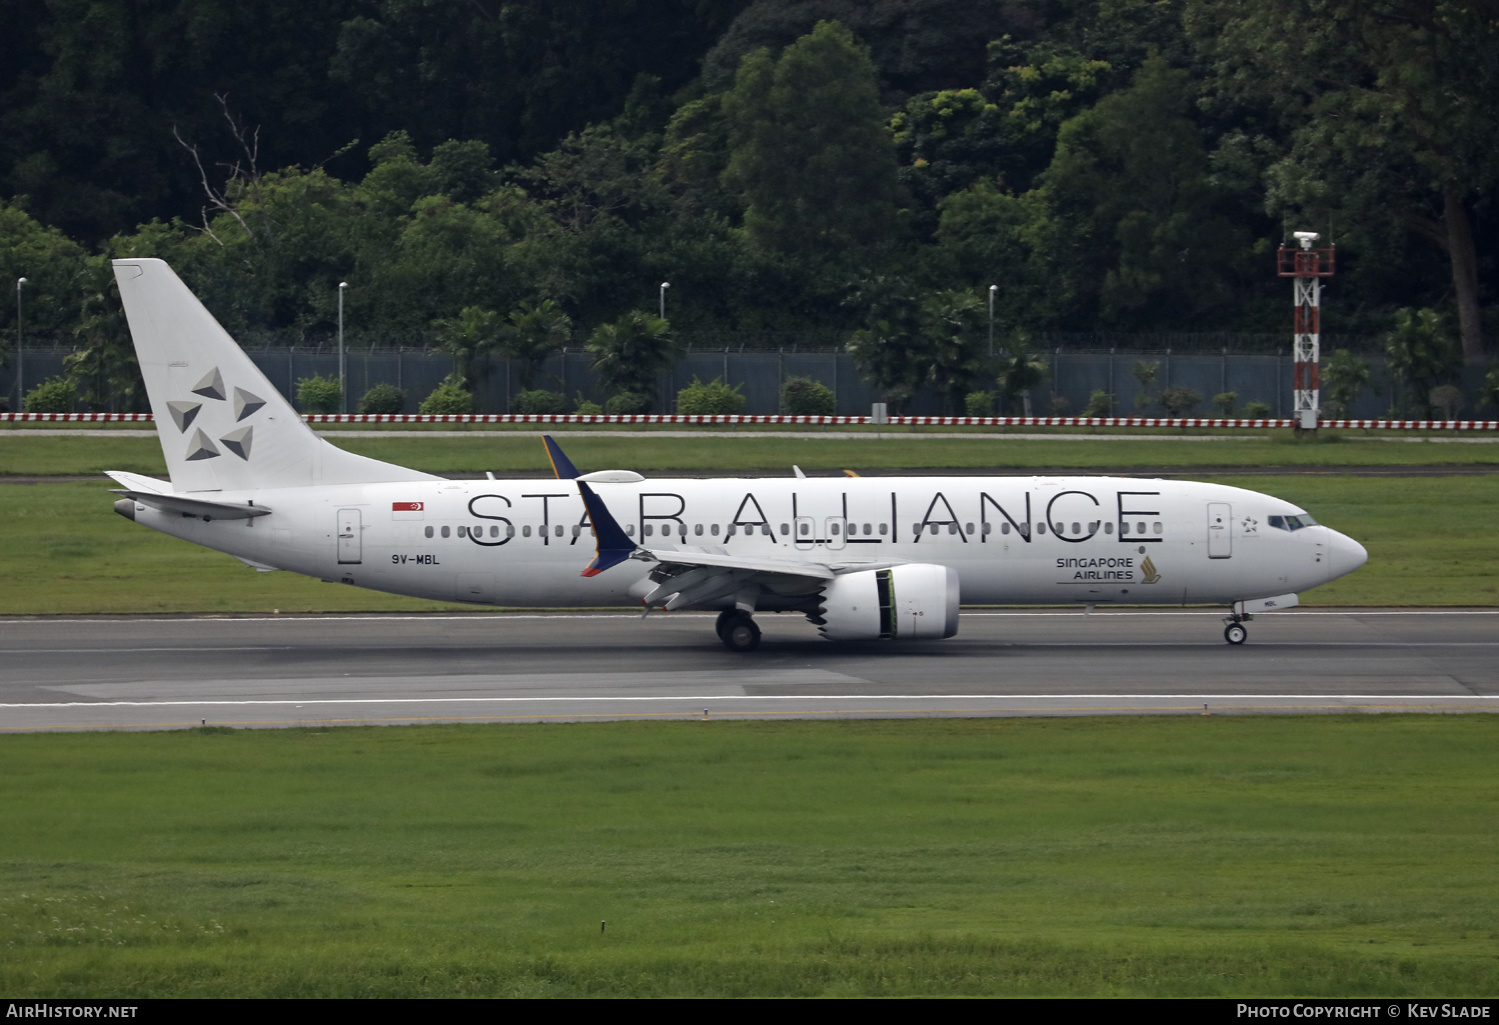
{"points": [[810, 154], [630, 353], [531, 173]]}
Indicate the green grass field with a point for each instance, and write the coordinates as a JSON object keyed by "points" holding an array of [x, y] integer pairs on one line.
{"points": [[504, 452], [1430, 542], [1248, 856]]}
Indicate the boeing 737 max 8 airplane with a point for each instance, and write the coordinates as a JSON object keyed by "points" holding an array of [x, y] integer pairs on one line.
{"points": [[862, 558]]}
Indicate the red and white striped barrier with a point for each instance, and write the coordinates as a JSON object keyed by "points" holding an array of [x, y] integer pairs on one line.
{"points": [[735, 418]]}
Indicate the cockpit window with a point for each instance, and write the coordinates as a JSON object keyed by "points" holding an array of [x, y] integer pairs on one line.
{"points": [[1292, 522]]}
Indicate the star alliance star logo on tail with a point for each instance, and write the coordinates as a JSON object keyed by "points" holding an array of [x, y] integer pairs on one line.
{"points": [[237, 441]]}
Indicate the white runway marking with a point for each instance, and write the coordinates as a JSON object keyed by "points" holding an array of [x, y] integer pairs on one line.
{"points": [[693, 698]]}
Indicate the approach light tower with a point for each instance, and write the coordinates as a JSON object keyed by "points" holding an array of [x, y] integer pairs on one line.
{"points": [[1306, 267]]}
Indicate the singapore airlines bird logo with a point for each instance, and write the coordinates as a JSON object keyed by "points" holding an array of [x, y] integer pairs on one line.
{"points": [[1148, 568], [237, 441]]}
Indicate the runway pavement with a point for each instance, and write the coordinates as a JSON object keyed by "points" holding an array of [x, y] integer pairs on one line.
{"points": [[166, 673]]}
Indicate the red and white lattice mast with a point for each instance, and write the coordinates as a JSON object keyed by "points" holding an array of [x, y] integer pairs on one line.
{"points": [[1306, 267]]}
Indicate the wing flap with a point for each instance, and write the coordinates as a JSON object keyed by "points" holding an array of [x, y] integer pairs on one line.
{"points": [[789, 567]]}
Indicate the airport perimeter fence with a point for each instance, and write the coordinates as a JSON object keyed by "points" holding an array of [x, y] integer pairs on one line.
{"points": [[760, 375]]}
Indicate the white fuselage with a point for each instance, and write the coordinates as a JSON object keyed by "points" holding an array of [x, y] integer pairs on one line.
{"points": [[1012, 540]]}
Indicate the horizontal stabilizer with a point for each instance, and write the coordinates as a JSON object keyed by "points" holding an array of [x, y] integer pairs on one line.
{"points": [[194, 506]]}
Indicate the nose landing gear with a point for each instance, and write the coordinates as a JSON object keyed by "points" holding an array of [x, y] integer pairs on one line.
{"points": [[737, 630], [1234, 632]]}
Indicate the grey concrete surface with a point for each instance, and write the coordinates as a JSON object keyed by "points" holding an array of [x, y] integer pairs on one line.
{"points": [[165, 673]]}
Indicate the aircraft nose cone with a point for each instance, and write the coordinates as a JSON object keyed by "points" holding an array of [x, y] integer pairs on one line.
{"points": [[1347, 554]]}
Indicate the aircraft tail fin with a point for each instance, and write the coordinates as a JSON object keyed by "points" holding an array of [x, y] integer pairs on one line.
{"points": [[222, 425]]}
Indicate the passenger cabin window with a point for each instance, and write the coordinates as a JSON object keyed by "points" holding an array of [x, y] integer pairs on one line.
{"points": [[428, 532], [446, 531], [713, 530]]}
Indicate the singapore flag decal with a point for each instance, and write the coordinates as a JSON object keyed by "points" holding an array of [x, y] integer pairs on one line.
{"points": [[406, 510]]}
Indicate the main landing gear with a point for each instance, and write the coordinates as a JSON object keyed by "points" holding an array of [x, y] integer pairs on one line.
{"points": [[737, 630], [1234, 632]]}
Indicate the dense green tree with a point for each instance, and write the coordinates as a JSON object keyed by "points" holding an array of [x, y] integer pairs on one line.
{"points": [[53, 266], [1422, 354], [810, 154], [468, 338], [104, 363], [1343, 378], [955, 353], [631, 352], [916, 46], [1391, 113], [1020, 370], [92, 90], [1133, 230], [532, 332]]}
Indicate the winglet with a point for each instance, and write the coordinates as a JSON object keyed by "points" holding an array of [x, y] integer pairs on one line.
{"points": [[613, 545], [561, 465]]}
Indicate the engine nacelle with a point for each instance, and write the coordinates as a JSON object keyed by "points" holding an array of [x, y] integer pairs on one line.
{"points": [[902, 603]]}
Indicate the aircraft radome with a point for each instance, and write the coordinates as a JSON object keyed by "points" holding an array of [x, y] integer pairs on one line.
{"points": [[862, 558]]}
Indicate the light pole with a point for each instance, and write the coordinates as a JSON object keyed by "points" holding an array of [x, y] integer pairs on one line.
{"points": [[20, 350], [992, 290], [343, 391], [664, 286]]}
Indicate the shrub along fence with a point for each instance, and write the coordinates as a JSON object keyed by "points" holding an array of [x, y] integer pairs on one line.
{"points": [[1072, 379]]}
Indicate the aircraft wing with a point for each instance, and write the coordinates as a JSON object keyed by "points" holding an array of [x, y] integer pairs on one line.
{"points": [[693, 576]]}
